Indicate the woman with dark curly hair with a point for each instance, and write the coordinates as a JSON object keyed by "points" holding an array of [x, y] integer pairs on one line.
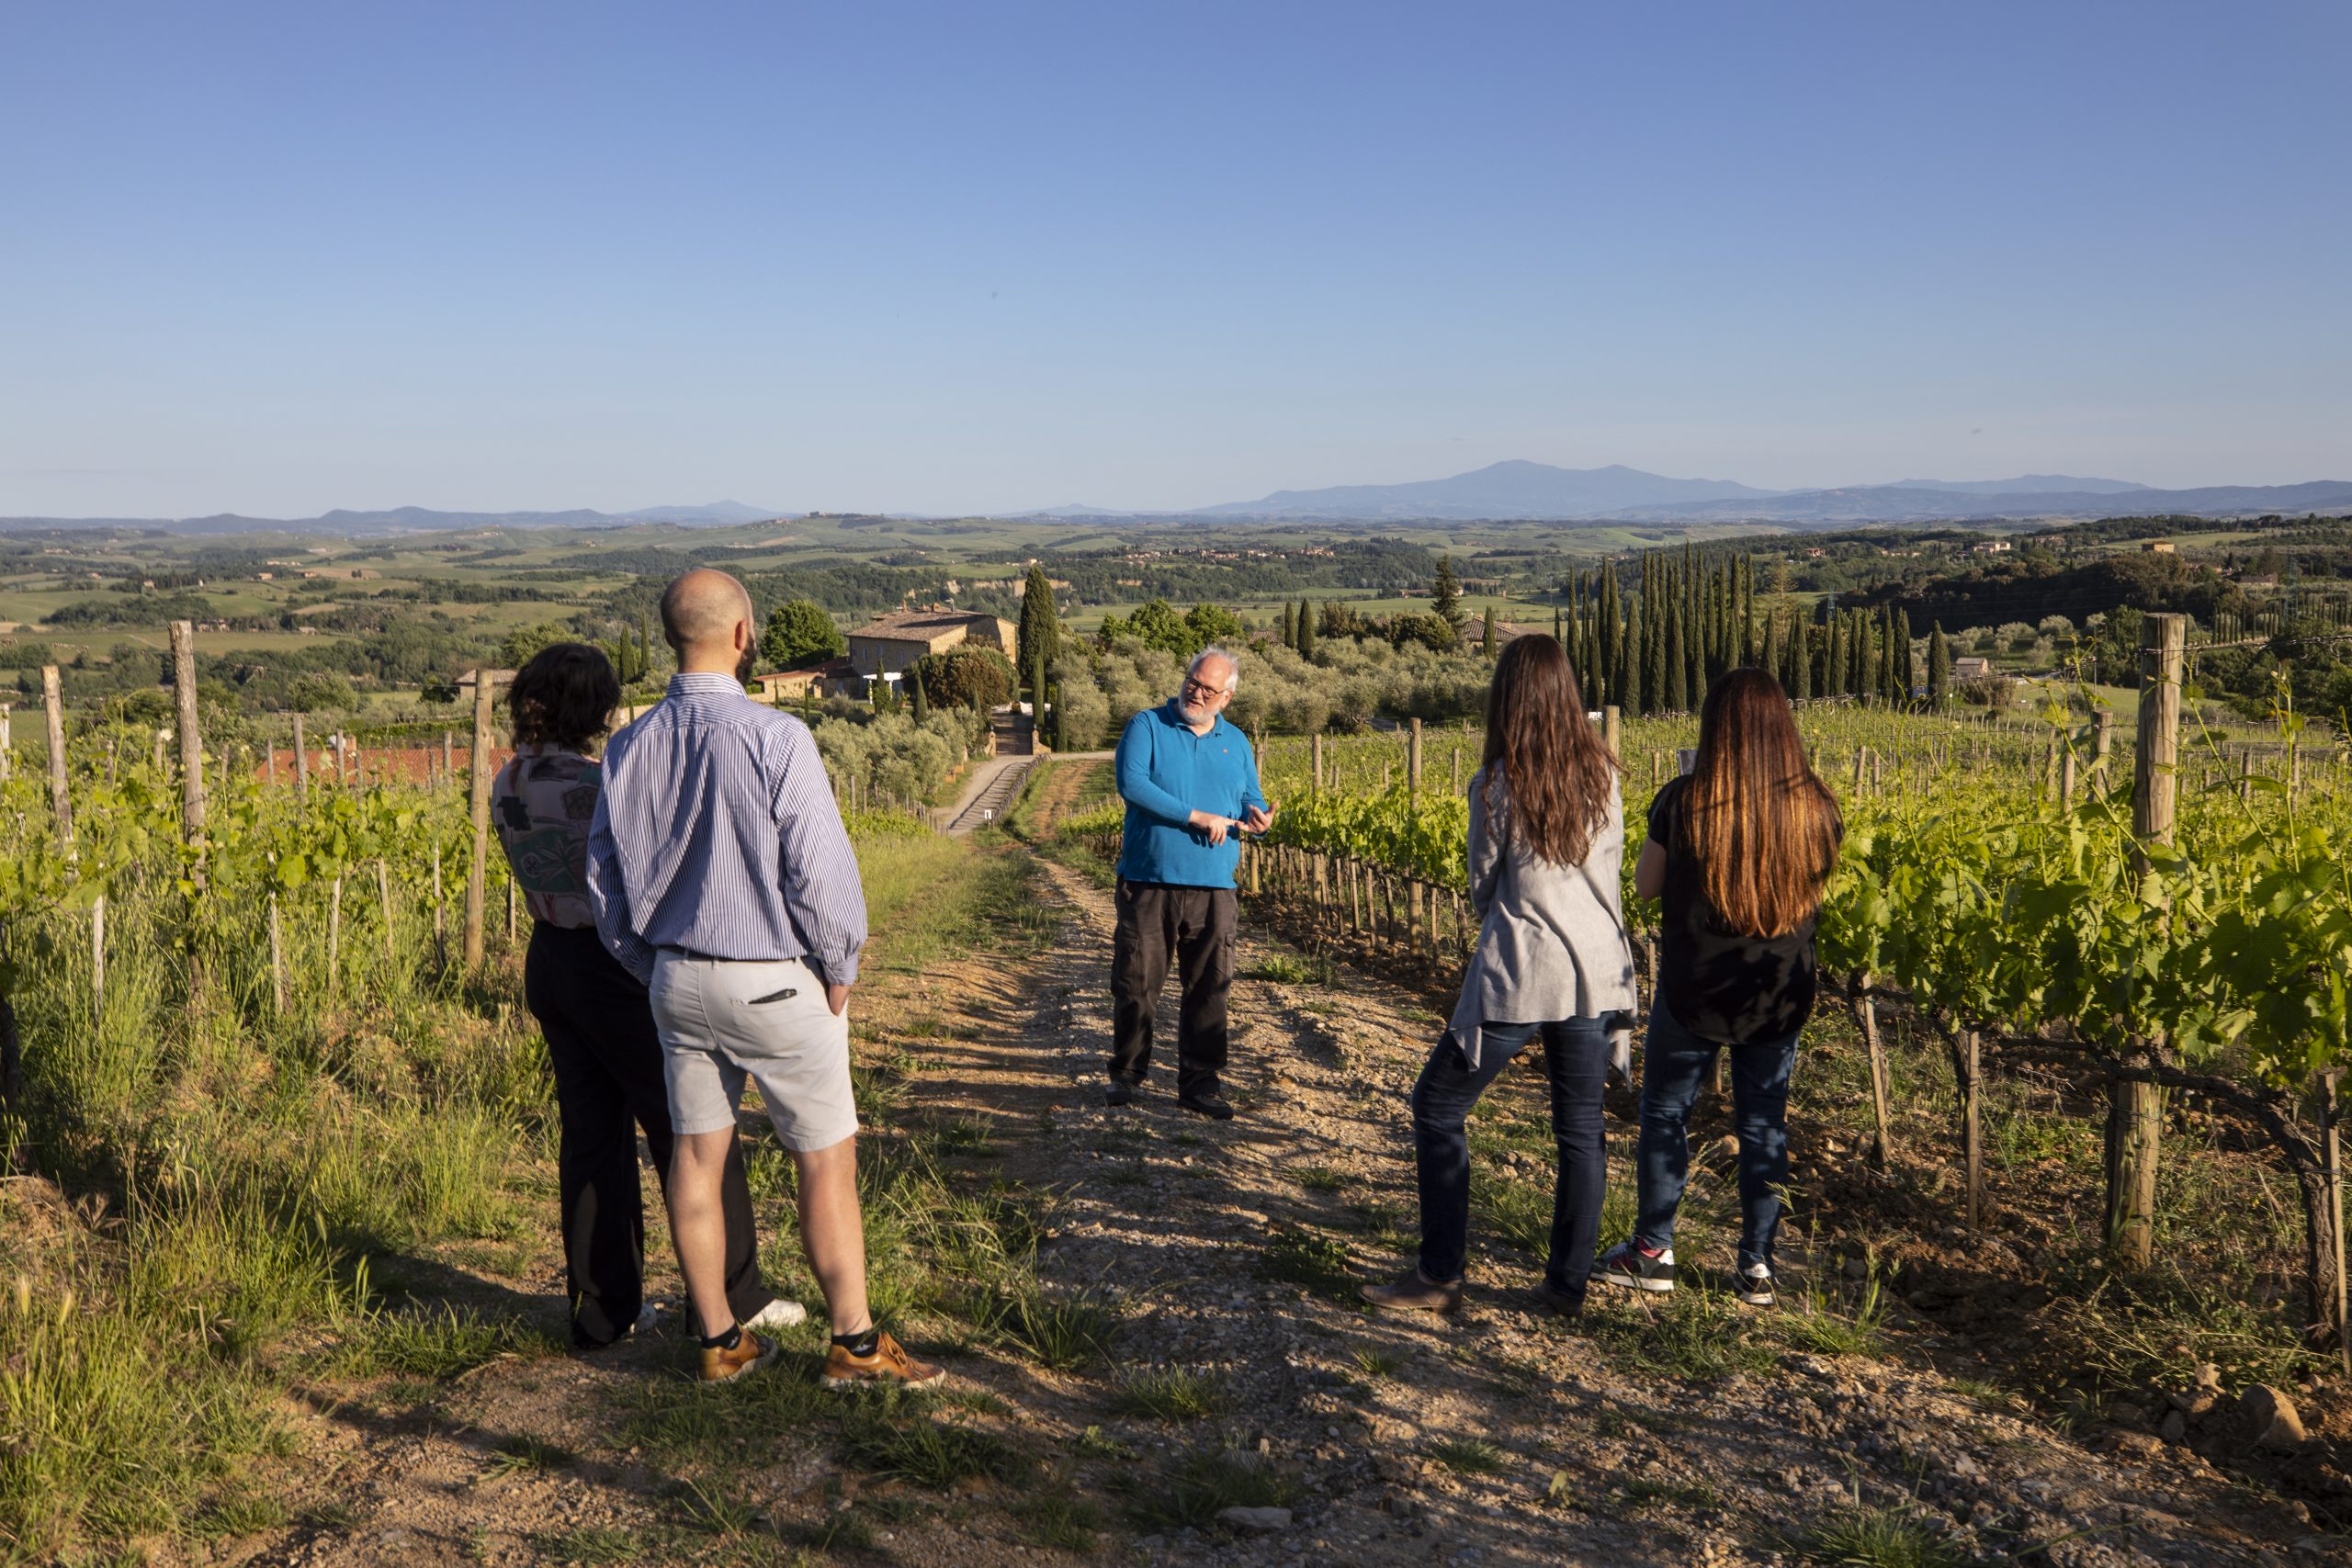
{"points": [[598, 1024]]}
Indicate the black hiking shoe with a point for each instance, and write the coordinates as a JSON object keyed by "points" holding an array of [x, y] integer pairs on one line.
{"points": [[1206, 1102], [1752, 1283], [1121, 1092], [1632, 1265]]}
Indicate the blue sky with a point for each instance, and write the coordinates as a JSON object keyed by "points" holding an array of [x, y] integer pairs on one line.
{"points": [[275, 259]]}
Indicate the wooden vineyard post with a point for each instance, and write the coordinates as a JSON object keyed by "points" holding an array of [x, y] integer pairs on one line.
{"points": [[191, 744], [384, 901], [53, 710], [2102, 737], [2136, 1109], [7, 743], [1971, 1126], [302, 764], [161, 763], [475, 888], [1883, 1148], [1612, 730], [276, 959], [1318, 773], [270, 765], [449, 765], [2331, 1111], [335, 932], [98, 959], [1413, 901], [2067, 777], [191, 788], [2246, 775]]}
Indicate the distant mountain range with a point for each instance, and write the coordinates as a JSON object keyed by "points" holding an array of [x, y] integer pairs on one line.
{"points": [[416, 519], [1510, 492], [1538, 491]]}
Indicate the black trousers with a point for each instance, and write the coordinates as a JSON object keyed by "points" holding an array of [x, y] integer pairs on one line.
{"points": [[1159, 921], [608, 1086]]}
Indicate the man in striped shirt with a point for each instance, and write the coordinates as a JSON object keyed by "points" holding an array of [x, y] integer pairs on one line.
{"points": [[722, 878]]}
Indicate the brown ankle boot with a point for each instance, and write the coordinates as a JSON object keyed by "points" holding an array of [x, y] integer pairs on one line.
{"points": [[1414, 1292]]}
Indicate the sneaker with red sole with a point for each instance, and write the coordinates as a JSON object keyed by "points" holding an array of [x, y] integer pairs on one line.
{"points": [[888, 1365], [1632, 1265]]}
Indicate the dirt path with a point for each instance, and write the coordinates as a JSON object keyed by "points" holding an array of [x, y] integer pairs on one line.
{"points": [[1195, 1227], [1230, 1254]]}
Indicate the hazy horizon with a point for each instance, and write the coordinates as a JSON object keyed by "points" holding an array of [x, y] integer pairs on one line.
{"points": [[276, 260]]}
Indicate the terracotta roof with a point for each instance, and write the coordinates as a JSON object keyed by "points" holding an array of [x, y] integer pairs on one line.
{"points": [[920, 625]]}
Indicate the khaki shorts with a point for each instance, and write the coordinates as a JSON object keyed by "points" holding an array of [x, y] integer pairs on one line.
{"points": [[724, 1021]]}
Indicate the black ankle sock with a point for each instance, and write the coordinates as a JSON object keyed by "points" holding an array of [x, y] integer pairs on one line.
{"points": [[727, 1341], [861, 1342]]}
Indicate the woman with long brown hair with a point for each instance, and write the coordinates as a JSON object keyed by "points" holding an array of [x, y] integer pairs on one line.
{"points": [[1547, 843], [1738, 850]]}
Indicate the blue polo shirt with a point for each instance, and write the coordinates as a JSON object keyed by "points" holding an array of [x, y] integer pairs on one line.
{"points": [[1167, 773]]}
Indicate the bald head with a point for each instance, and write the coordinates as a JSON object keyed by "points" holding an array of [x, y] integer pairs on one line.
{"points": [[700, 613]]}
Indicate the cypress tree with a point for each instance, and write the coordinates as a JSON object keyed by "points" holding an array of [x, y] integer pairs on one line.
{"points": [[1903, 655], [1559, 628], [1774, 655], [1652, 643], [921, 702], [1938, 667], [1487, 635], [1629, 665], [1800, 661], [1833, 660], [1039, 636], [1305, 633], [1677, 662], [1748, 613], [1445, 597], [1289, 624]]}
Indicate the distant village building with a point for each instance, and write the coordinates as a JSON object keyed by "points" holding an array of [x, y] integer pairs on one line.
{"points": [[882, 649], [1475, 634], [1972, 668], [835, 677], [1991, 547], [2158, 547]]}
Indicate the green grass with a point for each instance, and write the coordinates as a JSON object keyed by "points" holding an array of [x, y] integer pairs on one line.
{"points": [[1293, 969], [1172, 1393], [1190, 1492], [1317, 1177], [1296, 1256], [1875, 1538], [1377, 1363], [1853, 1328], [1469, 1456], [1059, 1519], [1696, 1333], [926, 1451], [437, 1342], [1642, 1492]]}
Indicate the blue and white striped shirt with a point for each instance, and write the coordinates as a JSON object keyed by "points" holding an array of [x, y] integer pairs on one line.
{"points": [[716, 834]]}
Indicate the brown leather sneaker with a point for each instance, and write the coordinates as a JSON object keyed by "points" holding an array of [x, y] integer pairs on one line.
{"points": [[1413, 1293], [889, 1364], [751, 1353]]}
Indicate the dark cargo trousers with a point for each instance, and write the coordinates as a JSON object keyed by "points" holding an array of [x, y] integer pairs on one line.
{"points": [[1159, 921]]}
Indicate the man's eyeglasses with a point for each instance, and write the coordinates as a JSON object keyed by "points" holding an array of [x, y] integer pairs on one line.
{"points": [[1193, 687]]}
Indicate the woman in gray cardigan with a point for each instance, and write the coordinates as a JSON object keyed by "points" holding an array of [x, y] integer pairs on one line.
{"points": [[1547, 843]]}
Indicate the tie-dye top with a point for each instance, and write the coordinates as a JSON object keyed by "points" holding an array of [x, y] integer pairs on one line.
{"points": [[542, 801]]}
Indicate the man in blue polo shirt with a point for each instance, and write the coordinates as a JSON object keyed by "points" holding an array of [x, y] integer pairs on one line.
{"points": [[1191, 786]]}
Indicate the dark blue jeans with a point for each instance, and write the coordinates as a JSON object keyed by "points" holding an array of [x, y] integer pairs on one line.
{"points": [[1576, 1053], [1674, 1060]]}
